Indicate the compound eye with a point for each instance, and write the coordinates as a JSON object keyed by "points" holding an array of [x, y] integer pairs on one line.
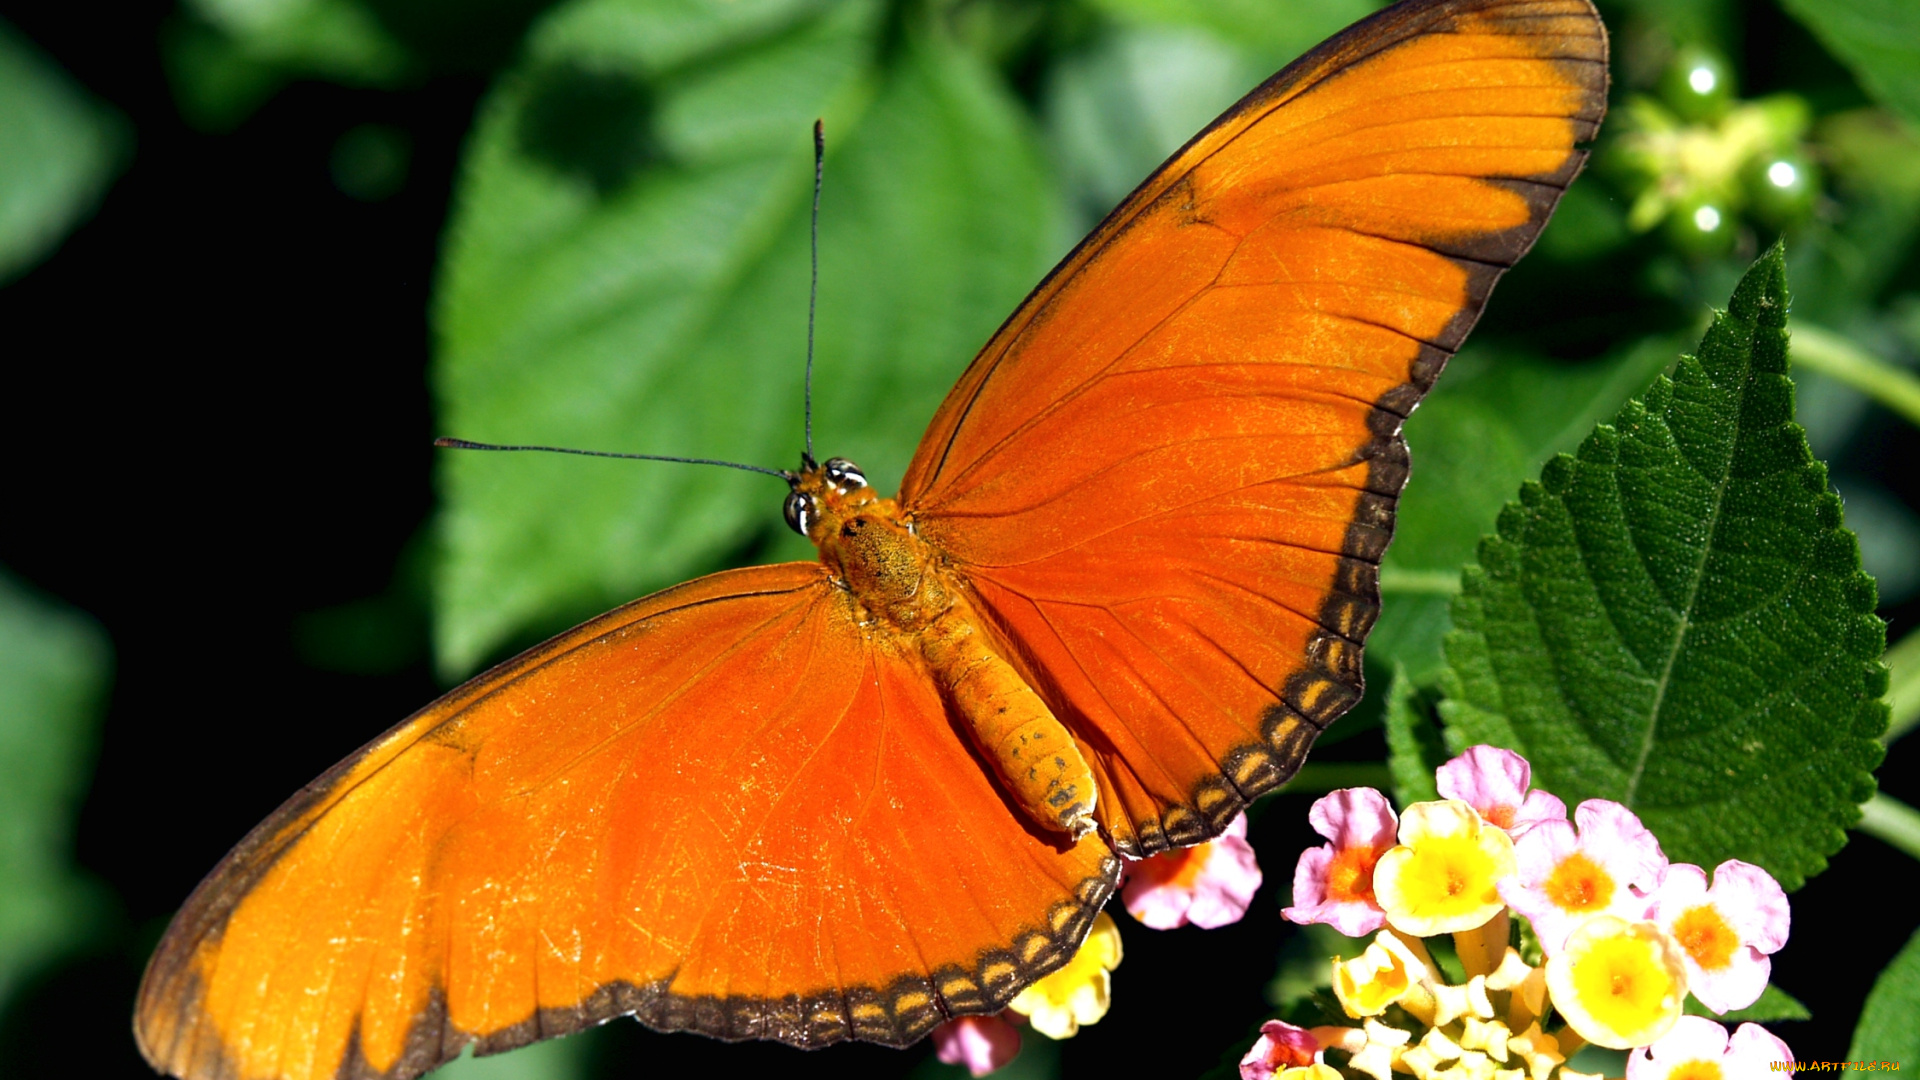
{"points": [[845, 475], [799, 511]]}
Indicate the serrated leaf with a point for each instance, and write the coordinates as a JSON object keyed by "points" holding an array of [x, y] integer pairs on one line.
{"points": [[1772, 1004], [54, 667], [1414, 746], [636, 279], [1675, 618], [1878, 39], [58, 150], [1887, 1031], [1495, 418]]}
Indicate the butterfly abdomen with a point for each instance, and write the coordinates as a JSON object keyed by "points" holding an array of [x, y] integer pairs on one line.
{"points": [[1031, 750]]}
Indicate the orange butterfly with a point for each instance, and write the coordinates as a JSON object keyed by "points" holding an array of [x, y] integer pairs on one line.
{"points": [[1121, 590]]}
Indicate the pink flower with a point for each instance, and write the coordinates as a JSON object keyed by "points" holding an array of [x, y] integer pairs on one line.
{"points": [[1207, 885], [1697, 1047], [981, 1043], [1281, 1046], [1724, 932], [1494, 782], [1610, 867], [1333, 883]]}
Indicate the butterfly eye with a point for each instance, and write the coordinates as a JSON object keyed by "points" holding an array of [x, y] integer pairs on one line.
{"points": [[845, 475], [799, 511]]}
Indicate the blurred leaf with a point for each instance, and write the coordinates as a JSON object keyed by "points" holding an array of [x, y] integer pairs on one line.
{"points": [[215, 83], [1772, 1004], [1888, 531], [1118, 108], [1414, 746], [1887, 1031], [337, 39], [1849, 260], [58, 149], [1675, 618], [1695, 22], [1492, 422], [1878, 39], [54, 665], [369, 161], [640, 283], [1272, 31], [225, 58], [553, 1059], [1588, 223], [1304, 966]]}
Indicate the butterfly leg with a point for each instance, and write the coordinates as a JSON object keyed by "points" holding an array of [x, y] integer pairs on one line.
{"points": [[1030, 749]]}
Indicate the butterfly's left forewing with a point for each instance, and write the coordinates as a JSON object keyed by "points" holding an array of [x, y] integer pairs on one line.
{"points": [[1171, 475], [723, 808]]}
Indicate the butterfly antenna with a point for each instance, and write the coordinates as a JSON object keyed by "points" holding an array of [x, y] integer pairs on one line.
{"points": [[467, 444], [813, 291]]}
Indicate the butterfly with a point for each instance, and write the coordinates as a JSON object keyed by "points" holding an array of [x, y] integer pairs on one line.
{"points": [[1124, 584]]}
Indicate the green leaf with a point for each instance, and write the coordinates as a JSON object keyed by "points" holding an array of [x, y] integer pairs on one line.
{"points": [[1675, 618], [54, 665], [1118, 107], [336, 39], [1494, 420], [58, 149], [1878, 39], [1887, 1031], [554, 1059], [1275, 32], [1414, 746], [1772, 1004], [628, 271]]}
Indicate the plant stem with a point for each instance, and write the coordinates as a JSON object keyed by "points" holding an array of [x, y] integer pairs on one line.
{"points": [[1402, 582], [1903, 694], [1886, 818], [1830, 354]]}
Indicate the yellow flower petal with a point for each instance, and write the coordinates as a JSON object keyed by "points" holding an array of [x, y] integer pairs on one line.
{"points": [[1370, 982], [1383, 1051], [1619, 984], [1080, 992], [1443, 876], [1538, 1049]]}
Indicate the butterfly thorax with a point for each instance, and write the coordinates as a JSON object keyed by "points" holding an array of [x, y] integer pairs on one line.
{"points": [[893, 577], [902, 587]]}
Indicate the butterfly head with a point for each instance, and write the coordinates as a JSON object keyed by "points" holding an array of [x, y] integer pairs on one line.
{"points": [[819, 491]]}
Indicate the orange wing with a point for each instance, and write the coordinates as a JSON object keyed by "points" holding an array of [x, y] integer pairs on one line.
{"points": [[1172, 473], [721, 809]]}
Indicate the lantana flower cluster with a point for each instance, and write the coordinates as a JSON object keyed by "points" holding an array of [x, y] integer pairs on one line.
{"points": [[1623, 937]]}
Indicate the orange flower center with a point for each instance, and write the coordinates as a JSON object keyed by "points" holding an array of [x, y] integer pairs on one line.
{"points": [[1579, 884], [1350, 875], [1502, 816], [1706, 937]]}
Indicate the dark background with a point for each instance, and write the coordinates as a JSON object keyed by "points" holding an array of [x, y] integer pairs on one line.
{"points": [[217, 424]]}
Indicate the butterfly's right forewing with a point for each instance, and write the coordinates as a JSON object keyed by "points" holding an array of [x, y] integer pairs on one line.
{"points": [[1172, 474]]}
